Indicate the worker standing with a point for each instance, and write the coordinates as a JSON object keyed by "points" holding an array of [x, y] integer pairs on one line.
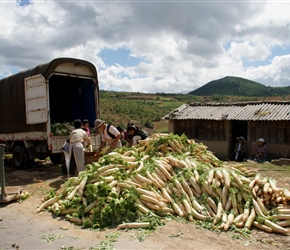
{"points": [[76, 148], [241, 149]]}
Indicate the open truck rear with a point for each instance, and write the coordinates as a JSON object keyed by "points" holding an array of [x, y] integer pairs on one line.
{"points": [[35, 100]]}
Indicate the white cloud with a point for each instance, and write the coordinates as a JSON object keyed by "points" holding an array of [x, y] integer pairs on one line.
{"points": [[275, 74], [183, 45], [253, 52]]}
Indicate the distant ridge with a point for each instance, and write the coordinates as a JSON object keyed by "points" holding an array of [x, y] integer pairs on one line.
{"points": [[237, 86]]}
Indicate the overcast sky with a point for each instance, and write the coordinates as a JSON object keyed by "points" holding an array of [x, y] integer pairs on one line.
{"points": [[151, 46]]}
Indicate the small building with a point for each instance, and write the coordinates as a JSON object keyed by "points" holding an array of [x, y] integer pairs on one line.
{"points": [[217, 125]]}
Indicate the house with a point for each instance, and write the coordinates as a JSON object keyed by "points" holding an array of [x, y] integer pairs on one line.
{"points": [[217, 125]]}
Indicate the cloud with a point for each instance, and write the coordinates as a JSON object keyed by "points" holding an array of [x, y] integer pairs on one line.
{"points": [[174, 47], [253, 52]]}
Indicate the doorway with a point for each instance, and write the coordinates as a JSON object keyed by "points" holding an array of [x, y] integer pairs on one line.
{"points": [[239, 128]]}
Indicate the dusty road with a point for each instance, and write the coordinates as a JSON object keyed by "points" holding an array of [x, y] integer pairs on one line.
{"points": [[22, 228]]}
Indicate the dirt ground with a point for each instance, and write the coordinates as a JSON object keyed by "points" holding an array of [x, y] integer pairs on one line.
{"points": [[22, 228]]}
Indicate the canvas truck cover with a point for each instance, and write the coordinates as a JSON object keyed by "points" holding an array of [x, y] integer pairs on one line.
{"points": [[12, 93]]}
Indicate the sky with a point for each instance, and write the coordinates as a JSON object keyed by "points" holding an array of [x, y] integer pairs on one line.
{"points": [[151, 46]]}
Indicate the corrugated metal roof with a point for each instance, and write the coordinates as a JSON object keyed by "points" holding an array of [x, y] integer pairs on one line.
{"points": [[246, 111]]}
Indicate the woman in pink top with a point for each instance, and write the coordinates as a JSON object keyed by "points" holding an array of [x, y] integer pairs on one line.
{"points": [[86, 127]]}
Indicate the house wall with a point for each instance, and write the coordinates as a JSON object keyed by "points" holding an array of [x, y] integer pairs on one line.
{"points": [[214, 134], [275, 150], [171, 126], [277, 132], [217, 135], [276, 135], [219, 148]]}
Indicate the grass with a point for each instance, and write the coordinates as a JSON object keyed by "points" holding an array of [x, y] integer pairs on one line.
{"points": [[279, 173], [161, 127], [270, 167], [172, 104]]}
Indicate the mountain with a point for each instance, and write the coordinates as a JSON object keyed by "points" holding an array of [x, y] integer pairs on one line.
{"points": [[238, 86]]}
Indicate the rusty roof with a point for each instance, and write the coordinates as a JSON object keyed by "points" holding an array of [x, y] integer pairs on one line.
{"points": [[243, 111]]}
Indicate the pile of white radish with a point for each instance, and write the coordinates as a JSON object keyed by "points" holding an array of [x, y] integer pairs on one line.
{"points": [[168, 174]]}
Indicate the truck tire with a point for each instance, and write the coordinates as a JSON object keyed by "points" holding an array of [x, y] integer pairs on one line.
{"points": [[20, 157], [57, 158]]}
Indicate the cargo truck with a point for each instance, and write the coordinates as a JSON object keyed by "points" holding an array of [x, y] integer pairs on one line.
{"points": [[33, 101]]}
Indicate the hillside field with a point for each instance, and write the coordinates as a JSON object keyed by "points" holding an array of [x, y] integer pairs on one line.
{"points": [[147, 110]]}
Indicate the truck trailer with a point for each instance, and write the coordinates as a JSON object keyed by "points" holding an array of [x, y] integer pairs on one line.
{"points": [[32, 101]]}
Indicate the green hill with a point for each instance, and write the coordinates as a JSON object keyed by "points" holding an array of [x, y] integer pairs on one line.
{"points": [[237, 86]]}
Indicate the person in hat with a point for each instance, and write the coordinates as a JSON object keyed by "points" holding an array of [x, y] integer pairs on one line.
{"points": [[109, 134], [241, 149], [261, 152], [76, 148]]}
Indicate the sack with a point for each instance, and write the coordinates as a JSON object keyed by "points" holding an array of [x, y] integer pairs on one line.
{"points": [[65, 147]]}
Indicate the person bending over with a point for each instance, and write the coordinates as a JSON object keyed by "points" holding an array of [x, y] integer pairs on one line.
{"points": [[110, 136], [136, 134]]}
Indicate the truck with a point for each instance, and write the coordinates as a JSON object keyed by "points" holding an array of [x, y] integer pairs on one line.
{"points": [[34, 101]]}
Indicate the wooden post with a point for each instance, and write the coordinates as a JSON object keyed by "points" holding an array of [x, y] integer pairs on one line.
{"points": [[2, 174]]}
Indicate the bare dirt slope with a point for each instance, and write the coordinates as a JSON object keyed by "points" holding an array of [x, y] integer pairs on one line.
{"points": [[22, 228]]}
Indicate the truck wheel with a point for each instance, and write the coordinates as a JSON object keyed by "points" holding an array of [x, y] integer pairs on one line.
{"points": [[20, 157], [56, 158]]}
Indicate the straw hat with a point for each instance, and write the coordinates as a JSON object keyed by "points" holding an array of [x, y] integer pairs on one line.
{"points": [[98, 123], [241, 138]]}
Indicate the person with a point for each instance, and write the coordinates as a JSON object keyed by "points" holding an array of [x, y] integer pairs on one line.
{"points": [[110, 136], [121, 130], [127, 137], [76, 148], [261, 152], [136, 134], [241, 149], [86, 127]]}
